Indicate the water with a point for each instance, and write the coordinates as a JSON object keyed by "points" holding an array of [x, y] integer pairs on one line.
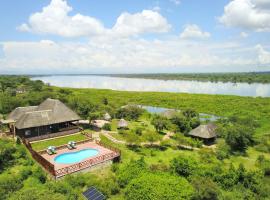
{"points": [[75, 157], [159, 110], [135, 84]]}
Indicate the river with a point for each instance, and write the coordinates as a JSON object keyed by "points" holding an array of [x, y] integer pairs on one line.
{"points": [[177, 86]]}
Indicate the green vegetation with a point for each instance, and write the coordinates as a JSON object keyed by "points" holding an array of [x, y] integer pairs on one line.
{"points": [[251, 77], [238, 168], [57, 141]]}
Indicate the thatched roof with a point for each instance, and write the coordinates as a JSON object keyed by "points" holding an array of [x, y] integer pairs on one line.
{"points": [[122, 123], [51, 111], [204, 131], [17, 113], [107, 116]]}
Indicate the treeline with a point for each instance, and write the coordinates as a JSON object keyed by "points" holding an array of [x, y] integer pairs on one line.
{"points": [[250, 77]]}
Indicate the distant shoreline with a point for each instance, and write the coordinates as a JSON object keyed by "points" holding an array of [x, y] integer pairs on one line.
{"points": [[240, 77]]}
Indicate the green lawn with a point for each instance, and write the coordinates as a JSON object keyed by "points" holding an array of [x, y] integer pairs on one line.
{"points": [[58, 141], [143, 123]]}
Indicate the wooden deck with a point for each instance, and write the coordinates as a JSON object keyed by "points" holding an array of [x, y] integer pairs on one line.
{"points": [[106, 153]]}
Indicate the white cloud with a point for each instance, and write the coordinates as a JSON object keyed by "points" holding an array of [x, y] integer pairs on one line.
{"points": [[247, 14], [55, 19], [193, 31], [263, 55], [243, 35], [147, 21], [129, 55]]}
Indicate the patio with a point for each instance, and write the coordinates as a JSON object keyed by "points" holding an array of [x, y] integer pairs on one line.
{"points": [[102, 152]]}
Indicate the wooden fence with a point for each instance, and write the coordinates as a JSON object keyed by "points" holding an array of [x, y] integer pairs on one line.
{"points": [[52, 135], [42, 161], [116, 153], [86, 164]]}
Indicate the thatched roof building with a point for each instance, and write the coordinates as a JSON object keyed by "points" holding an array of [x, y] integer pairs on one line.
{"points": [[107, 117], [49, 116], [122, 123], [205, 132]]}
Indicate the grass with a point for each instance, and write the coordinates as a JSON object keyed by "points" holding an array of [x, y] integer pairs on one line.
{"points": [[248, 161], [57, 141], [143, 123]]}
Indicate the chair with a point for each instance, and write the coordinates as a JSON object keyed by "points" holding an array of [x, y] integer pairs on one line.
{"points": [[51, 150], [71, 145]]}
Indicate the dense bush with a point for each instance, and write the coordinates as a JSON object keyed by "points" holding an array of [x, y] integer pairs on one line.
{"points": [[130, 112], [107, 127], [184, 166], [157, 187], [159, 122]]}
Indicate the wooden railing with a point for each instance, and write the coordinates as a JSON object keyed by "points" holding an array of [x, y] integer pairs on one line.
{"points": [[42, 161], [85, 164], [116, 153], [52, 135]]}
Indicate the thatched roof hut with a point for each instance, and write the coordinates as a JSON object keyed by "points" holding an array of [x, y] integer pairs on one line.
{"points": [[51, 111], [107, 117], [122, 123], [205, 132]]}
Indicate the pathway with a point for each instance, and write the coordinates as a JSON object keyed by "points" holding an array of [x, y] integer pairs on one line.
{"points": [[167, 136]]}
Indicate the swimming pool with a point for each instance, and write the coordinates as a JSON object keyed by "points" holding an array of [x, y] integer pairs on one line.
{"points": [[75, 157]]}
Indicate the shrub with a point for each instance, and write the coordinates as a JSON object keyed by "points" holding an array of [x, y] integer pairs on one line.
{"points": [[183, 166], [205, 188], [107, 127], [130, 171], [158, 186]]}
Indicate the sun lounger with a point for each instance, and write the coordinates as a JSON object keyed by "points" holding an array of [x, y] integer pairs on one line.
{"points": [[71, 145], [51, 150]]}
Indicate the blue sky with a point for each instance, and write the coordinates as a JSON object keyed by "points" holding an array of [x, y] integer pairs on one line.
{"points": [[125, 36]]}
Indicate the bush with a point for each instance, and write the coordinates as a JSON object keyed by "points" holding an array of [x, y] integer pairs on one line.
{"points": [[205, 188], [131, 112], [183, 166], [138, 131], [223, 150], [130, 171], [158, 186], [107, 127]]}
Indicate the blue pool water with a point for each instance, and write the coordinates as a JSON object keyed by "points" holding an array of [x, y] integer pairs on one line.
{"points": [[74, 157]]}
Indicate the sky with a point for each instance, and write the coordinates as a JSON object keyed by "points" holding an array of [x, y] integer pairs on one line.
{"points": [[127, 36]]}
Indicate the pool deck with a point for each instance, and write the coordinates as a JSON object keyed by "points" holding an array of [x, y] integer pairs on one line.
{"points": [[102, 151]]}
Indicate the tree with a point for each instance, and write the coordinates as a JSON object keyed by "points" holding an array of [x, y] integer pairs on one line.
{"points": [[160, 123], [190, 113], [183, 166], [239, 137], [133, 139], [205, 188], [105, 101], [158, 186], [107, 127], [151, 137], [182, 123], [131, 112], [131, 170]]}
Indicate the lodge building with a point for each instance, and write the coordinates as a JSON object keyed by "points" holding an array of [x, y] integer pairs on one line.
{"points": [[50, 117]]}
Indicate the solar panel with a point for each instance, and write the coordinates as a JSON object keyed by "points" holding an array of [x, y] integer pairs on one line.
{"points": [[93, 194]]}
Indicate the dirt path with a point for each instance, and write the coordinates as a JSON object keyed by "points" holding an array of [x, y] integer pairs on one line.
{"points": [[166, 137]]}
